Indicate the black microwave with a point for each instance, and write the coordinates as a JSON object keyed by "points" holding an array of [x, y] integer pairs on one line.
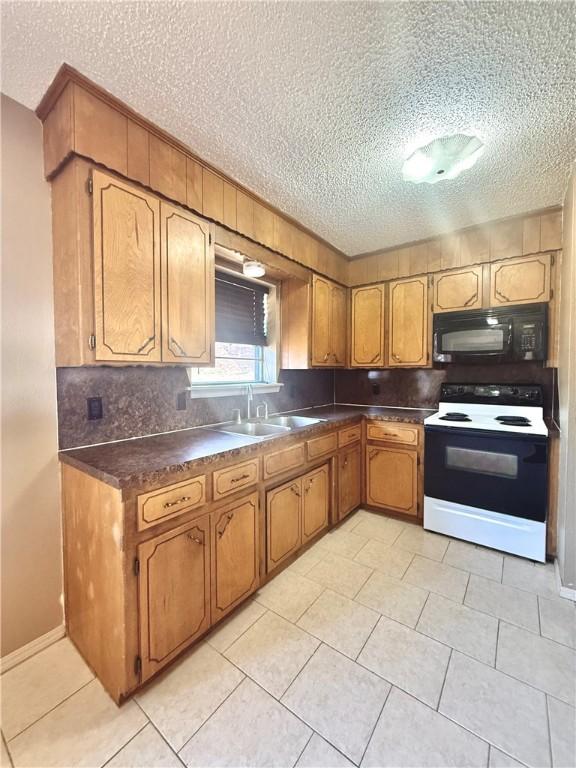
{"points": [[497, 335]]}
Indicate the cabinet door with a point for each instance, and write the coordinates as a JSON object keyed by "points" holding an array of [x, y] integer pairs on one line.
{"points": [[408, 322], [457, 290], [349, 481], [520, 281], [367, 337], [234, 554], [321, 321], [187, 288], [126, 271], [174, 592], [315, 502], [338, 326], [283, 524], [392, 479]]}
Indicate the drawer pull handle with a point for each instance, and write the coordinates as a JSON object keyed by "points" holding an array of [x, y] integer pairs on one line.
{"points": [[229, 517], [295, 491], [169, 504], [245, 476], [373, 453]]}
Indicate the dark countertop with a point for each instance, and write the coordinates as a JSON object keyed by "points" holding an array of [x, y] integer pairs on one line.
{"points": [[147, 462]]}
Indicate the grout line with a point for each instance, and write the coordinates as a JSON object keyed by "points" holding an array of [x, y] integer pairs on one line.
{"points": [[223, 651], [7, 750], [420, 614], [376, 723], [444, 681], [171, 748], [497, 643], [549, 731], [304, 749], [131, 739], [539, 615]]}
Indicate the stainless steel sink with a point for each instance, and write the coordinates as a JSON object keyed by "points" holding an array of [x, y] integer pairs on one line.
{"points": [[254, 429], [292, 422]]}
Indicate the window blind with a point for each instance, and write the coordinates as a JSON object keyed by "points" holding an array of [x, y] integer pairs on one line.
{"points": [[240, 310]]}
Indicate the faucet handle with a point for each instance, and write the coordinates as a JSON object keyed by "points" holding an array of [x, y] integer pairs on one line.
{"points": [[236, 416]]}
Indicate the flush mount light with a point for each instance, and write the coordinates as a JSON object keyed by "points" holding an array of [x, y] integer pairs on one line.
{"points": [[443, 158], [253, 269]]}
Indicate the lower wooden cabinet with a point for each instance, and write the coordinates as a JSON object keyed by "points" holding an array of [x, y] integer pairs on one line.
{"points": [[174, 592], [392, 479], [315, 502], [234, 554], [349, 480]]}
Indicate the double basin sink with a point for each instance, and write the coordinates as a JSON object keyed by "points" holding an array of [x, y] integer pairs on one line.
{"points": [[272, 427]]}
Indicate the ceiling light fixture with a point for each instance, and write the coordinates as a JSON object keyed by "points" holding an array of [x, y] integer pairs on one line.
{"points": [[253, 269], [443, 158]]}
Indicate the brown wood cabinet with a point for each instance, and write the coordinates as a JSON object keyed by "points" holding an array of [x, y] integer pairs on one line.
{"points": [[458, 289], [520, 281], [174, 592], [349, 480], [328, 323], [235, 561], [367, 327], [392, 479], [315, 502], [408, 313], [187, 288]]}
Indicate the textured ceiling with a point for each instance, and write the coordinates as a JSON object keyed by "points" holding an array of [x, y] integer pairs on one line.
{"points": [[314, 105]]}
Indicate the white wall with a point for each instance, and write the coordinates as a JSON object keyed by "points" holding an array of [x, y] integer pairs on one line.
{"points": [[30, 516]]}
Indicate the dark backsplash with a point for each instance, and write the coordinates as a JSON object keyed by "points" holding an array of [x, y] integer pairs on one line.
{"points": [[141, 400]]}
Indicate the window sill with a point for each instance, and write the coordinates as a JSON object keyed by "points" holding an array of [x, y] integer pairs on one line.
{"points": [[228, 390]]}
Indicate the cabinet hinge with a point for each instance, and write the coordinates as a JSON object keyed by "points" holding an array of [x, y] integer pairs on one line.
{"points": [[138, 666], [91, 341], [417, 461], [90, 186], [551, 293], [552, 259], [210, 239], [136, 566]]}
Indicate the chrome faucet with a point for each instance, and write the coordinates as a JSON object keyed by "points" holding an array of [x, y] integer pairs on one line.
{"points": [[249, 398], [258, 413]]}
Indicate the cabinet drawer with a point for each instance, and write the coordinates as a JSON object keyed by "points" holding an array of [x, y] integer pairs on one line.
{"points": [[234, 478], [349, 435], [281, 462], [392, 433], [320, 446], [164, 503]]}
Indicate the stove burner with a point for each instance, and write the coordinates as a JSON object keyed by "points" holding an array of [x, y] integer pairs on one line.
{"points": [[514, 421], [455, 417]]}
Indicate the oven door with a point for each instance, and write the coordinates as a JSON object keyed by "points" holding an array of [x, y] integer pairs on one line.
{"points": [[471, 338], [501, 472]]}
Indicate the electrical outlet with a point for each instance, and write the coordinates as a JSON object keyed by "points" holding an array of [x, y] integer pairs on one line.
{"points": [[95, 411]]}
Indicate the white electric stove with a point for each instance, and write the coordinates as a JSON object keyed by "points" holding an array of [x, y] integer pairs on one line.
{"points": [[486, 467]]}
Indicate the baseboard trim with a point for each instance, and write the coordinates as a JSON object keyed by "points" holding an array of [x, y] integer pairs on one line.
{"points": [[567, 592], [31, 649]]}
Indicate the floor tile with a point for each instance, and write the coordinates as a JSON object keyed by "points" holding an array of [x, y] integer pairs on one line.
{"points": [[437, 577], [538, 578], [230, 629], [272, 652], [562, 733], [188, 693], [39, 684], [460, 627], [339, 699], [250, 730], [391, 561], [5, 760], [499, 759], [342, 543], [85, 730], [146, 750], [558, 620], [393, 598], [306, 561], [352, 520], [538, 661], [289, 594], [407, 659], [421, 542], [513, 605], [498, 709], [339, 622], [482, 562], [411, 735], [380, 528], [340, 574], [320, 754]]}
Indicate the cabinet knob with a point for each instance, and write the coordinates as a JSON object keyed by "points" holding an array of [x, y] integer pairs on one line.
{"points": [[196, 539]]}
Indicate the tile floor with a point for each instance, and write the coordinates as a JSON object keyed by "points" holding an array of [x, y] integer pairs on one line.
{"points": [[383, 645]]}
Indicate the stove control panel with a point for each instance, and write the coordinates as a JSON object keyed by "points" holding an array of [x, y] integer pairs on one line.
{"points": [[505, 394]]}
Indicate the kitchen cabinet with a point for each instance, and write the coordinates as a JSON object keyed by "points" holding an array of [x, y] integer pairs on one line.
{"points": [[392, 479], [367, 326], [315, 502], [174, 592], [521, 281], [234, 554], [126, 272], [349, 480], [328, 323], [187, 288], [408, 324], [458, 289]]}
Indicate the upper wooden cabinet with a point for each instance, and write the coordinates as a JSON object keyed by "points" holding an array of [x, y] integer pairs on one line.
{"points": [[367, 327], [187, 287], [126, 272], [458, 289], [408, 314], [328, 323], [520, 281]]}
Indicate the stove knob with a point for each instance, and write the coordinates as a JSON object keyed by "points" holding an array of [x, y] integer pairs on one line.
{"points": [[461, 390], [514, 390]]}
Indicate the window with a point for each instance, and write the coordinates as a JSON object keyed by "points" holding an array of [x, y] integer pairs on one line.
{"points": [[235, 363]]}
